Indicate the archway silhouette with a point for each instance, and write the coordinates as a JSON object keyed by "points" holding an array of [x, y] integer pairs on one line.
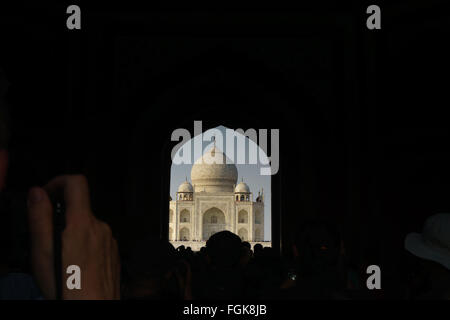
{"points": [[255, 87]]}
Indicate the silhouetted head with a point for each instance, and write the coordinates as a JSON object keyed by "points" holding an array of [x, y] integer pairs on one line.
{"points": [[258, 250], [246, 254], [246, 244], [224, 249]]}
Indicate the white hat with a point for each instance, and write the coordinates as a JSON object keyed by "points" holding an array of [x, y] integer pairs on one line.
{"points": [[434, 242]]}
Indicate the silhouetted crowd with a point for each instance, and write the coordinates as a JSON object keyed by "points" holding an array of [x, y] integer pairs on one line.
{"points": [[227, 268]]}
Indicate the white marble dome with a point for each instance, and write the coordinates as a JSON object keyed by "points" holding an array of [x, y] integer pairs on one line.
{"points": [[185, 187], [242, 188], [214, 172]]}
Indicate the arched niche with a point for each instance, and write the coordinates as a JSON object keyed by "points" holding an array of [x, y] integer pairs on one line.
{"points": [[185, 216], [243, 216]]}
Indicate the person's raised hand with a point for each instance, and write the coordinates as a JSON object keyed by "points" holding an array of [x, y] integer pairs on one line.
{"points": [[86, 242]]}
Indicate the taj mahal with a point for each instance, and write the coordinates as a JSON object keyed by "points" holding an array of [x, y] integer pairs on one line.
{"points": [[213, 202]]}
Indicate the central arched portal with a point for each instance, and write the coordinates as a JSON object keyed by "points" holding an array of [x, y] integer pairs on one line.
{"points": [[213, 222], [185, 234]]}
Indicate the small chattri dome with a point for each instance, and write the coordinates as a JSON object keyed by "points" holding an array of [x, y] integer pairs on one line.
{"points": [[242, 187], [185, 187]]}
